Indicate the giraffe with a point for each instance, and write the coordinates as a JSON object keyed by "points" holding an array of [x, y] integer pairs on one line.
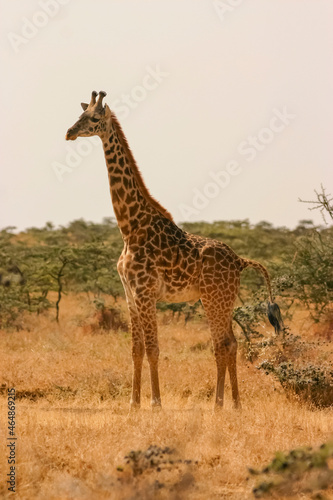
{"points": [[162, 262]]}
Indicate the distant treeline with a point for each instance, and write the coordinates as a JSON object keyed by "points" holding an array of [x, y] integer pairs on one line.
{"points": [[82, 257]]}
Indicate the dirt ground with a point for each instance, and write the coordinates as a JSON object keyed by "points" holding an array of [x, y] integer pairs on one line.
{"points": [[74, 429]]}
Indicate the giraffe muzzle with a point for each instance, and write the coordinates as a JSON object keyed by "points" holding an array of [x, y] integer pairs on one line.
{"points": [[71, 134]]}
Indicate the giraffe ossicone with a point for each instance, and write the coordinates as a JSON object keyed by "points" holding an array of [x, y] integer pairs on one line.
{"points": [[162, 262]]}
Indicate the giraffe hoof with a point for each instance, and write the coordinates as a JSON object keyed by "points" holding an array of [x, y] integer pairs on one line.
{"points": [[134, 406], [156, 405], [218, 404]]}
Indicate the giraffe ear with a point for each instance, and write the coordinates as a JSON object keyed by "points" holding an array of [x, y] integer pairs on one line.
{"points": [[84, 105]]}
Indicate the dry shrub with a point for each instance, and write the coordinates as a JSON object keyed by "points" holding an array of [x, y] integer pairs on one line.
{"points": [[105, 319], [110, 318], [324, 329], [172, 474]]}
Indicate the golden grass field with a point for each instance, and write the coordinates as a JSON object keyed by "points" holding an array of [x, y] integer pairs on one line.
{"points": [[74, 428]]}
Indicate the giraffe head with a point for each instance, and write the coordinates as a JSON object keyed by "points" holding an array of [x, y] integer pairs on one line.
{"points": [[93, 119]]}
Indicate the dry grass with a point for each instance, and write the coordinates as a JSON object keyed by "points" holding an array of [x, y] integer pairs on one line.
{"points": [[74, 428]]}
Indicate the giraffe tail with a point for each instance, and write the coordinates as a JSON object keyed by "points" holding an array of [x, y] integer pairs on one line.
{"points": [[273, 310]]}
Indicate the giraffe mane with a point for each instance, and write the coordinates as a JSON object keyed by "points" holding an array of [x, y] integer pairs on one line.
{"points": [[136, 172]]}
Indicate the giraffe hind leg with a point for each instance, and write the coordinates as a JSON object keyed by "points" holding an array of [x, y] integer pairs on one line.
{"points": [[225, 350], [218, 308], [232, 368]]}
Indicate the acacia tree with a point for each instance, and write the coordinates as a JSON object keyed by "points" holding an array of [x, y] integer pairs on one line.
{"points": [[323, 203], [313, 261], [45, 266], [94, 269]]}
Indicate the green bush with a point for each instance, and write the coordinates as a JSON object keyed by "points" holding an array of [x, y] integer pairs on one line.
{"points": [[301, 470]]}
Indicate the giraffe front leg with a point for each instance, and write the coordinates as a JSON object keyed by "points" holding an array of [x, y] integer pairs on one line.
{"points": [[137, 358], [147, 314], [138, 350]]}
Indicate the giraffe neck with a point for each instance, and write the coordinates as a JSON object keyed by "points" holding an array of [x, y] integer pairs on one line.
{"points": [[131, 207]]}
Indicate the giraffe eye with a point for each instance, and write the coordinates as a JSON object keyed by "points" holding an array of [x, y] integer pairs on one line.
{"points": [[95, 120]]}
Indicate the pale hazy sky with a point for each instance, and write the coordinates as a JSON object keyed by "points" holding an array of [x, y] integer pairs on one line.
{"points": [[204, 81]]}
